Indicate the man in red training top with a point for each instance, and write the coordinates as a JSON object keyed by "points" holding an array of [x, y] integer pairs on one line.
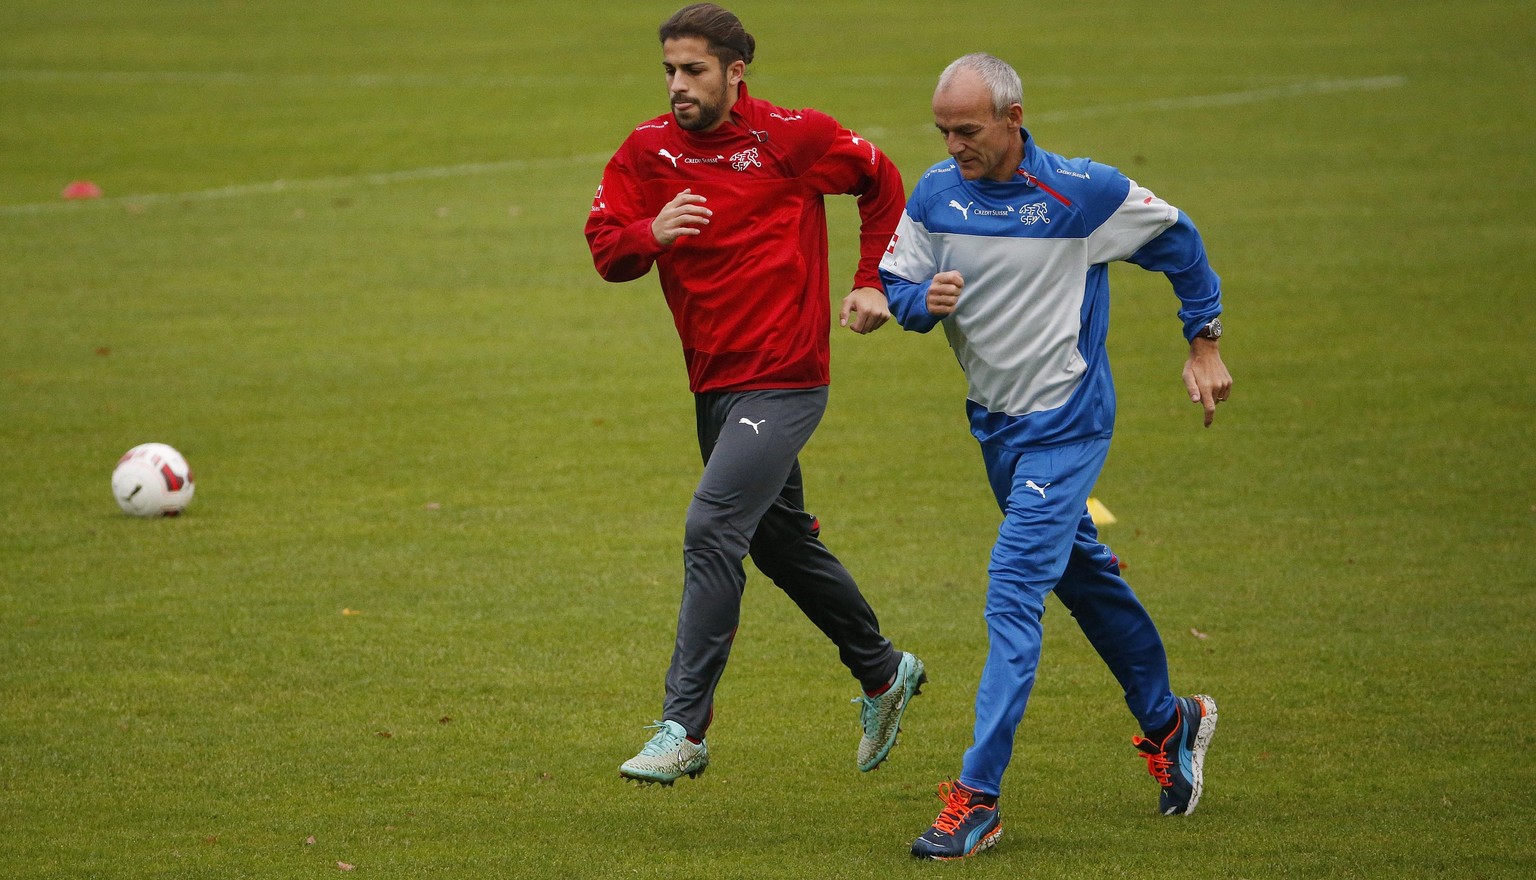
{"points": [[724, 195]]}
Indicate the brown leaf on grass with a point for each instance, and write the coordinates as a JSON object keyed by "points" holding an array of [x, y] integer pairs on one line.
{"points": [[384, 734], [1197, 633], [345, 866], [350, 612], [310, 840], [446, 719]]}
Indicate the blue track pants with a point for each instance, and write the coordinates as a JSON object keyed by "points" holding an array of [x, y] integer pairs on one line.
{"points": [[1047, 543]]}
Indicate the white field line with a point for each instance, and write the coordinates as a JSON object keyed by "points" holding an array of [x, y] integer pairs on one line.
{"points": [[297, 80], [215, 78], [1224, 99], [1233, 99], [1220, 99], [317, 183]]}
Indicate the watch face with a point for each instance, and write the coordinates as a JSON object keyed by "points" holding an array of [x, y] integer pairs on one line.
{"points": [[1212, 330]]}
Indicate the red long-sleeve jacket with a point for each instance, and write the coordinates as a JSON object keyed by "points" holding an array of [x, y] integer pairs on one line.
{"points": [[750, 294]]}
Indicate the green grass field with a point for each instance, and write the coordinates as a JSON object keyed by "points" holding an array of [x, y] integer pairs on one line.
{"points": [[422, 604]]}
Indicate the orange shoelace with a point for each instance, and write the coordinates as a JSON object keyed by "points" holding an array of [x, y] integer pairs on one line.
{"points": [[957, 805], [1158, 762]]}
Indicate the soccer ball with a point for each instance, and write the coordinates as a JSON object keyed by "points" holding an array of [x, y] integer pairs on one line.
{"points": [[152, 479]]}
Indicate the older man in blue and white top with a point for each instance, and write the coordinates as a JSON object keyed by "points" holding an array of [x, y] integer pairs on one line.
{"points": [[1007, 247]]}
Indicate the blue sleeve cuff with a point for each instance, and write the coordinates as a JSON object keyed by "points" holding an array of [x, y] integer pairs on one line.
{"points": [[908, 302]]}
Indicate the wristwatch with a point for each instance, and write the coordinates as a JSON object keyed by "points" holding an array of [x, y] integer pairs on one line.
{"points": [[1211, 330]]}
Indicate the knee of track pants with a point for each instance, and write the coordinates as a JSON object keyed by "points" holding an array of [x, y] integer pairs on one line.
{"points": [[708, 527], [779, 532]]}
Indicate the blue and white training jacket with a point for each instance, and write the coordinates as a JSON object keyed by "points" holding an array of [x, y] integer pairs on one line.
{"points": [[1030, 325]]}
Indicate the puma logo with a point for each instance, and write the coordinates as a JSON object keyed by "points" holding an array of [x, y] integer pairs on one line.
{"points": [[965, 210], [666, 154], [1038, 488], [746, 421]]}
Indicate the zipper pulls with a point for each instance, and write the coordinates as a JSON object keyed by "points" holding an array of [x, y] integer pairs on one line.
{"points": [[1031, 180]]}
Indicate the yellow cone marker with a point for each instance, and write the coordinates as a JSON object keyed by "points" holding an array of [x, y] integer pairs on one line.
{"points": [[1100, 513]]}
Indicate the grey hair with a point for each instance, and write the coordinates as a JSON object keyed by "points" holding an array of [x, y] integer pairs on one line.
{"points": [[998, 76]]}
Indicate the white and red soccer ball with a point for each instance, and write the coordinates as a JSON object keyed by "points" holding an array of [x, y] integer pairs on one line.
{"points": [[152, 479]]}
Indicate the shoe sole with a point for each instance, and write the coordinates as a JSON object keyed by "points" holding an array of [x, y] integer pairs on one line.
{"points": [[1202, 742], [985, 843], [917, 688], [643, 781]]}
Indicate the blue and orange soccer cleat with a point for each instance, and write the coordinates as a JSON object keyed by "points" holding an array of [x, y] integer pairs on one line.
{"points": [[1178, 762], [964, 827]]}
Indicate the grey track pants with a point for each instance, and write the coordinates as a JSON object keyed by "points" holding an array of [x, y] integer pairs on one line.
{"points": [[750, 500]]}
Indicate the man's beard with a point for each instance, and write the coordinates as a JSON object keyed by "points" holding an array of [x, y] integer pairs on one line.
{"points": [[705, 115]]}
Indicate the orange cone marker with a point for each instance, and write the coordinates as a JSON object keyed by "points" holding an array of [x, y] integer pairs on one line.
{"points": [[82, 189]]}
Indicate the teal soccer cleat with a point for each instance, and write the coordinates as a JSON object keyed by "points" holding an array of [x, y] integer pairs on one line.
{"points": [[881, 716], [667, 756]]}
